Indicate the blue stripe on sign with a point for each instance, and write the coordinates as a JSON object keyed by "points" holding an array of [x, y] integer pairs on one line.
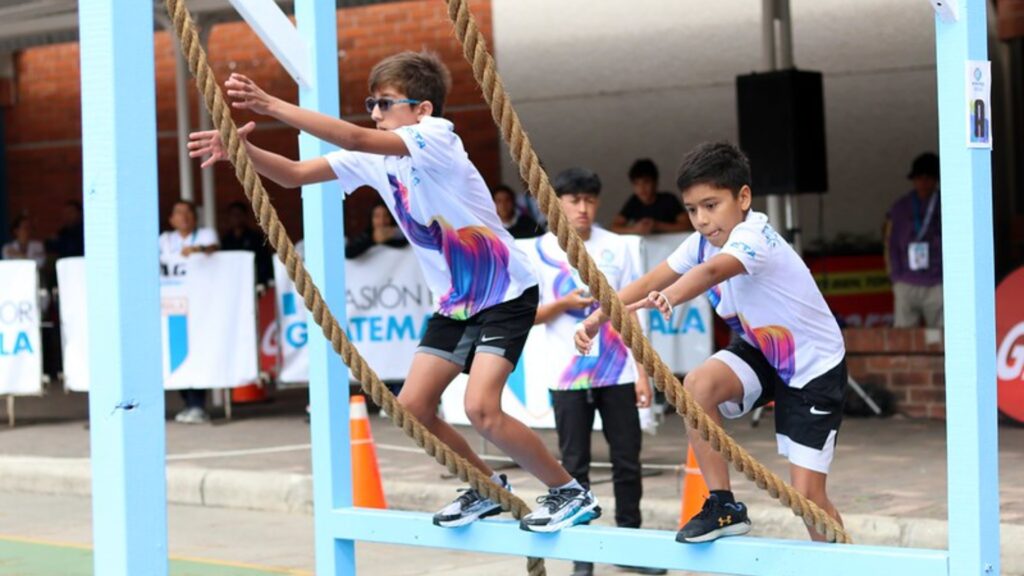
{"points": [[288, 303], [517, 382], [177, 334]]}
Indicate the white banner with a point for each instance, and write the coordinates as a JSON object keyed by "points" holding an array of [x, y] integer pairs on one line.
{"points": [[685, 341], [21, 357], [207, 319], [387, 307]]}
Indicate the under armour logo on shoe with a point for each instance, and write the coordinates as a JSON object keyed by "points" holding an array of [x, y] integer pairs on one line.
{"points": [[723, 520]]}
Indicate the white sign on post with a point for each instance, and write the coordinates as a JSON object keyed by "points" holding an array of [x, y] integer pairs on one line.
{"points": [[21, 360], [279, 35], [979, 104]]}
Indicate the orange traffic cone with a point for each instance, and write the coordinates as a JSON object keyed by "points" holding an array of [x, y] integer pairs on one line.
{"points": [[367, 491], [695, 490], [249, 393]]}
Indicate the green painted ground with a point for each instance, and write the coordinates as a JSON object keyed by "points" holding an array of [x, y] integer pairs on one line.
{"points": [[25, 558]]}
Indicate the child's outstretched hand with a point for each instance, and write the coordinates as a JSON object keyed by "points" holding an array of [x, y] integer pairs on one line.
{"points": [[585, 334], [248, 95], [656, 300], [208, 143]]}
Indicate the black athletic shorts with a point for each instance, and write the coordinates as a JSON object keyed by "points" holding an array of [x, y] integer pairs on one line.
{"points": [[500, 330], [807, 419]]}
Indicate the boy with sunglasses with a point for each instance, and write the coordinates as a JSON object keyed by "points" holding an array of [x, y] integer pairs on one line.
{"points": [[487, 294]]}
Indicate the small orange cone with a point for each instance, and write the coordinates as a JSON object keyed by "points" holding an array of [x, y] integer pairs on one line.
{"points": [[695, 490], [367, 491], [249, 393]]}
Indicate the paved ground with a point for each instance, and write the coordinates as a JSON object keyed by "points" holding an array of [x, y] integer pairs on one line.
{"points": [[891, 470]]}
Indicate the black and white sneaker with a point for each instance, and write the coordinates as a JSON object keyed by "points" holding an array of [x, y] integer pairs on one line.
{"points": [[470, 506], [716, 519], [561, 508]]}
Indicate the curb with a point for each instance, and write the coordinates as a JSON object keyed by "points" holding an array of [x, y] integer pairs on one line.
{"points": [[293, 493]]}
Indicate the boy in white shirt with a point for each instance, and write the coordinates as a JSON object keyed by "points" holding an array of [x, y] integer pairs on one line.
{"points": [[608, 381], [487, 294], [787, 346]]}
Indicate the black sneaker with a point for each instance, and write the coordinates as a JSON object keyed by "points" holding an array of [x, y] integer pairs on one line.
{"points": [[561, 508], [642, 569], [715, 519], [470, 506], [582, 569]]}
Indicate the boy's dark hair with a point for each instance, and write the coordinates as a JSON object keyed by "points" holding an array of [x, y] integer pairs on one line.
{"points": [[576, 181], [717, 164], [643, 168], [503, 189], [419, 75], [187, 203], [240, 206]]}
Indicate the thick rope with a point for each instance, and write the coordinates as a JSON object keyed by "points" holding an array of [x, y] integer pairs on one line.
{"points": [[484, 69], [268, 220]]}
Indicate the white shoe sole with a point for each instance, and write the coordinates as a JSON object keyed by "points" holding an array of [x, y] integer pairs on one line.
{"points": [[730, 530], [467, 519], [591, 512]]}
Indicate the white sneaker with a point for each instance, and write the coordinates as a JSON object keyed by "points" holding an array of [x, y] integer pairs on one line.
{"points": [[561, 508], [194, 416]]}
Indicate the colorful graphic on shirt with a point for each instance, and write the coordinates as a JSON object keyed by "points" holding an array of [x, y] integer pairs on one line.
{"points": [[594, 372], [775, 342], [586, 371], [477, 259]]}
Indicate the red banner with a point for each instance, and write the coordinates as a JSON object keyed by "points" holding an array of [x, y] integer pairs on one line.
{"points": [[1010, 345]]}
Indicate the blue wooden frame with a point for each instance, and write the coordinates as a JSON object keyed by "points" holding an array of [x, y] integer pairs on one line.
{"points": [[127, 416]]}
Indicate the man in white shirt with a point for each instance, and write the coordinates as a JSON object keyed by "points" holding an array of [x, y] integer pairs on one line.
{"points": [[183, 241]]}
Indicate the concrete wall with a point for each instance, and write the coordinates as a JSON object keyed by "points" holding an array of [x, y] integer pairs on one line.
{"points": [[602, 82]]}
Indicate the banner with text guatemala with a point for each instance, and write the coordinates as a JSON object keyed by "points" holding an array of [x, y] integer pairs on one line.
{"points": [[21, 359]]}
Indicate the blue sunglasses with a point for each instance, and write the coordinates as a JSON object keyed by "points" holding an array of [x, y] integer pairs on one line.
{"points": [[386, 103]]}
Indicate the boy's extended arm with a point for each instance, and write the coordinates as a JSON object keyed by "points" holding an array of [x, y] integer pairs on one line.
{"points": [[343, 134], [660, 277], [703, 277], [286, 172]]}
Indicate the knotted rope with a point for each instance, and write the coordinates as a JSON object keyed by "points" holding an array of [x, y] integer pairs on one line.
{"points": [[268, 220], [484, 69]]}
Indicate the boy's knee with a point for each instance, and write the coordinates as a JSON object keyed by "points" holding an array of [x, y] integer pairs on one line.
{"points": [[418, 408], [700, 389], [483, 418]]}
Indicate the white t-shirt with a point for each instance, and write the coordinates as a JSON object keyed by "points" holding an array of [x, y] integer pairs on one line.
{"points": [[776, 306], [611, 363], [171, 242], [444, 208], [34, 251]]}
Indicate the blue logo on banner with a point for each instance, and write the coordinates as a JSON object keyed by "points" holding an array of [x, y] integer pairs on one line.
{"points": [[177, 339]]}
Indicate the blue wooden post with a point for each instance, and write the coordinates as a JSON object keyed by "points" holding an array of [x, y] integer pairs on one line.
{"points": [[325, 258], [126, 400], [968, 285]]}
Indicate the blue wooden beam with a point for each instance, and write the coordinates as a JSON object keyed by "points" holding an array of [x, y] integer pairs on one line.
{"points": [[323, 223], [751, 556], [969, 294], [126, 401]]}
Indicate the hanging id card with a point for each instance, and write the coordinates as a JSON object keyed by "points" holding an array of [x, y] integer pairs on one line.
{"points": [[917, 256]]}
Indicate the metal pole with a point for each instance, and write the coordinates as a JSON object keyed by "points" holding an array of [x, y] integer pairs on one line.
{"points": [[792, 201], [773, 202], [181, 107]]}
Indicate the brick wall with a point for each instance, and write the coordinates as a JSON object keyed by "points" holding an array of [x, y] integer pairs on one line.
{"points": [[44, 124], [909, 363]]}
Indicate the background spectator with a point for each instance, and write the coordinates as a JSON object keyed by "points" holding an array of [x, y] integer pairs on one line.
{"points": [[239, 235], [648, 211], [184, 240], [23, 247], [518, 223], [383, 230], [70, 239], [913, 239]]}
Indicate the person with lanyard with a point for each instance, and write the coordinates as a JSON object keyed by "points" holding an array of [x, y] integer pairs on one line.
{"points": [[913, 239], [183, 241]]}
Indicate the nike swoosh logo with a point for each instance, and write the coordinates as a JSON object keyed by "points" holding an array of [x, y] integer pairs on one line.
{"points": [[486, 339], [817, 412]]}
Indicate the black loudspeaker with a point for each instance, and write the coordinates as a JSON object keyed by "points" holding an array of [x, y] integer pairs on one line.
{"points": [[782, 131]]}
